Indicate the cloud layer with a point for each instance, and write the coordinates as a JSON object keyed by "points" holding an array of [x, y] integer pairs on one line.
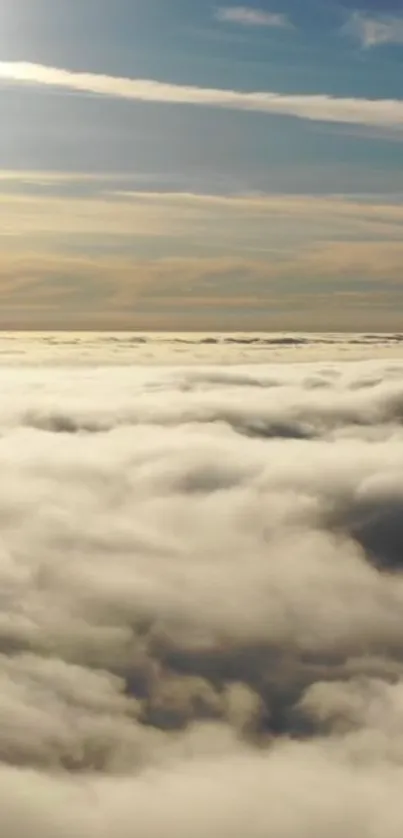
{"points": [[201, 596], [246, 16], [92, 253], [321, 107]]}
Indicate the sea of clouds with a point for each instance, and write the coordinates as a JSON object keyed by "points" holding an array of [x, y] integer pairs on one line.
{"points": [[167, 349], [201, 601]]}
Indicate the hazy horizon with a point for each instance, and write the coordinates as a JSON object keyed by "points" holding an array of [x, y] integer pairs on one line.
{"points": [[194, 348]]}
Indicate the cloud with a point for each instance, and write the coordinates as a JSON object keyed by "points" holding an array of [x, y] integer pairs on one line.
{"points": [[201, 587], [375, 31], [246, 16], [199, 349], [43, 290], [39, 208], [319, 107], [111, 258]]}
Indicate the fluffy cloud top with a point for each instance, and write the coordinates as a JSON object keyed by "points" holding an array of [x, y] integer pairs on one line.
{"points": [[201, 594]]}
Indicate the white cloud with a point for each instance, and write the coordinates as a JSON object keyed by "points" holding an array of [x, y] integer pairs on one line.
{"points": [[320, 107], [246, 16], [375, 31], [201, 585]]}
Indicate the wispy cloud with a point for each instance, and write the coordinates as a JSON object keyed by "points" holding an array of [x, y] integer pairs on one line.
{"points": [[375, 31], [116, 246], [321, 107], [245, 16], [242, 223], [42, 289]]}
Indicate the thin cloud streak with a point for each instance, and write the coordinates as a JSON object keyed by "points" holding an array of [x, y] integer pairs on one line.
{"points": [[321, 107], [244, 16], [378, 31]]}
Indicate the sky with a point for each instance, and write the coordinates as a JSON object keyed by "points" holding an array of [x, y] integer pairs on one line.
{"points": [[189, 165]]}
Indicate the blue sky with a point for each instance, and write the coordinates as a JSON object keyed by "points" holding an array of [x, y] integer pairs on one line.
{"points": [[184, 164]]}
